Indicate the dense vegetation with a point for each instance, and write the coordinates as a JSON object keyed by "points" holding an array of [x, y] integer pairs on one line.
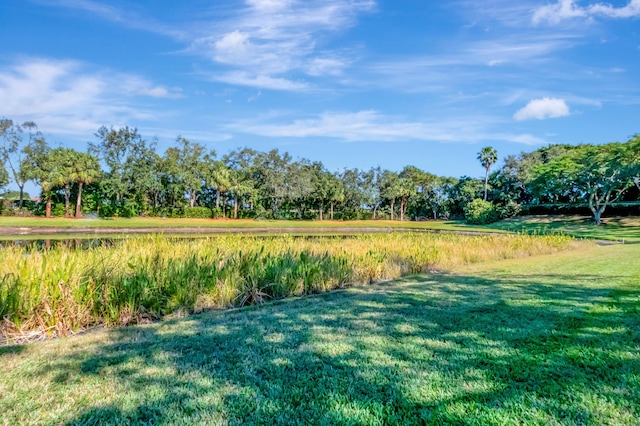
{"points": [[124, 175], [63, 289], [551, 340]]}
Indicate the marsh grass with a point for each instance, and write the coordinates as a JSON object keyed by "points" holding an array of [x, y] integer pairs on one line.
{"points": [[59, 291]]}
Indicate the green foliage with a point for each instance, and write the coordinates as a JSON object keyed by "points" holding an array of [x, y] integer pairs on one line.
{"points": [[508, 210], [57, 210], [480, 212], [596, 174], [4, 175], [198, 212]]}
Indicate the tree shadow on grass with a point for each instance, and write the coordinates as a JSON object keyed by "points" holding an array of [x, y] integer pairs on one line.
{"points": [[427, 349]]}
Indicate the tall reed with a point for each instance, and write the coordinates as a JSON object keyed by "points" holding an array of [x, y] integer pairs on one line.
{"points": [[54, 292]]}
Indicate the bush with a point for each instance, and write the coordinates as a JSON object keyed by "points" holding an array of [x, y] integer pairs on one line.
{"points": [[198, 213], [57, 210], [511, 209], [480, 212]]}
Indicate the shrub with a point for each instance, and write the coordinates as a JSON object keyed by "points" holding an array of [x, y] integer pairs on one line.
{"points": [[57, 210], [198, 213], [510, 209], [480, 212]]}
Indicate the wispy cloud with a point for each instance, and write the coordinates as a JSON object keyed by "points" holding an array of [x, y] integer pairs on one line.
{"points": [[127, 18], [371, 125], [269, 40], [67, 97], [570, 9], [263, 44], [544, 108]]}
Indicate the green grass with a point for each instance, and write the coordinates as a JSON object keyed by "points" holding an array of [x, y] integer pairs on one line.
{"points": [[614, 229], [546, 340]]}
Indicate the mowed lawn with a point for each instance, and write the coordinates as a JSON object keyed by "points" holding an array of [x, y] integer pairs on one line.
{"points": [[545, 340], [613, 228]]}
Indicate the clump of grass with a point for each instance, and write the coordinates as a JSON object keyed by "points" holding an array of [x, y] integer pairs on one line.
{"points": [[62, 290]]}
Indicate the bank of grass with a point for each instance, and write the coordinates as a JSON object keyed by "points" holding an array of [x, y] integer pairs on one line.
{"points": [[62, 290], [550, 340], [613, 229], [167, 223]]}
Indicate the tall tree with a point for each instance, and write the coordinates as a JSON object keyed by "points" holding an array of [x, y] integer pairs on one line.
{"points": [[17, 142], [113, 149], [596, 174], [142, 173], [240, 164], [270, 176], [390, 189], [487, 157], [219, 177], [84, 170], [42, 167]]}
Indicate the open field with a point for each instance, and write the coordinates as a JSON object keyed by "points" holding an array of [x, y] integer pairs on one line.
{"points": [[544, 340], [64, 289], [614, 229]]}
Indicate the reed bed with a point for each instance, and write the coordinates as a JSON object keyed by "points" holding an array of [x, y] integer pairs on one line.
{"points": [[60, 291]]}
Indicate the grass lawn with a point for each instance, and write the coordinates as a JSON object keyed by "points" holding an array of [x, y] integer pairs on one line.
{"points": [[545, 340], [615, 229]]}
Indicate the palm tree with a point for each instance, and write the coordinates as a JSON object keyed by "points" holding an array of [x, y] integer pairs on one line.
{"points": [[487, 157], [239, 185], [220, 178], [85, 170]]}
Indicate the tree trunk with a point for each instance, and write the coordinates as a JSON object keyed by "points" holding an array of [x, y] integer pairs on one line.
{"points": [[486, 183], [192, 198], [224, 207], [79, 202], [435, 214], [217, 198], [331, 212], [47, 213], [393, 202], [21, 202], [321, 218], [67, 194], [597, 214], [235, 207]]}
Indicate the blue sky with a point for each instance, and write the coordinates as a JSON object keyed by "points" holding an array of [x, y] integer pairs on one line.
{"points": [[353, 83]]}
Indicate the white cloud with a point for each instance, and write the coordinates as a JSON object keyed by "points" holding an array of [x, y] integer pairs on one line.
{"points": [[271, 40], [241, 78], [544, 108], [569, 9], [370, 125], [67, 97], [269, 4]]}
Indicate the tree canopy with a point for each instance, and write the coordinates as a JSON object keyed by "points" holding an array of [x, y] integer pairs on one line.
{"points": [[124, 174]]}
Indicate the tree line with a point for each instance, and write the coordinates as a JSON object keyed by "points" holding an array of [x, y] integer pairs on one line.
{"points": [[123, 174]]}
